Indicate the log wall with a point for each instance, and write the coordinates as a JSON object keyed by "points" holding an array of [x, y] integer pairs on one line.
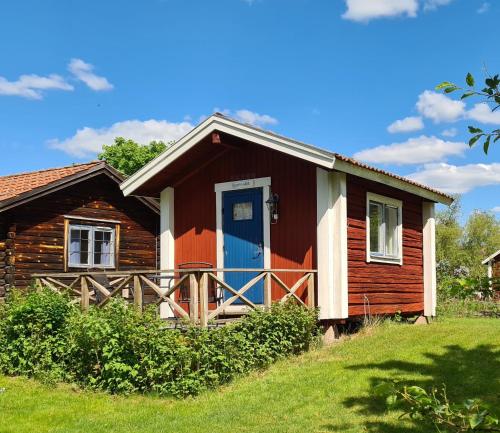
{"points": [[382, 288], [37, 242]]}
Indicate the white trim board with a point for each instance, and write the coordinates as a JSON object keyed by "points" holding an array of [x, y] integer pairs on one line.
{"points": [[490, 258], [219, 188], [331, 193], [167, 244], [320, 157], [429, 256]]}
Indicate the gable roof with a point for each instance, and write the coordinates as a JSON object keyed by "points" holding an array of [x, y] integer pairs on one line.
{"points": [[16, 189], [488, 259], [320, 157], [17, 184]]}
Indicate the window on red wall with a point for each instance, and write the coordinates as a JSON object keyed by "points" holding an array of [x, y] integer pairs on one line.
{"points": [[384, 229]]}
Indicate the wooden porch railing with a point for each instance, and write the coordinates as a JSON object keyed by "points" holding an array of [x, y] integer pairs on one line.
{"points": [[199, 295]]}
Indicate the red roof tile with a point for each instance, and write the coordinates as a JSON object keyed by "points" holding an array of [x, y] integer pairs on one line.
{"points": [[16, 184]]}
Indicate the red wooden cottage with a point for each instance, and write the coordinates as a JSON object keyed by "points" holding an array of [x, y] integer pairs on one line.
{"points": [[237, 197], [72, 219]]}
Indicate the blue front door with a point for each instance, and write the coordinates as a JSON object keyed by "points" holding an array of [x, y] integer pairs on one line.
{"points": [[243, 240]]}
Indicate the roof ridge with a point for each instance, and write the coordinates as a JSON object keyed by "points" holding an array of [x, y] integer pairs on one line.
{"points": [[44, 170], [340, 156]]}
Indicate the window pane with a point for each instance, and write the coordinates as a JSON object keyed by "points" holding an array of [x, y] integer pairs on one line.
{"points": [[375, 214], [391, 231], [103, 248], [242, 211], [79, 246]]}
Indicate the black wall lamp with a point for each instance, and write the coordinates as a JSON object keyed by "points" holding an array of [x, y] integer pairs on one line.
{"points": [[272, 206]]}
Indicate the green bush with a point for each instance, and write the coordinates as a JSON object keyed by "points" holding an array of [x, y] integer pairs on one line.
{"points": [[32, 329], [468, 297], [433, 408], [119, 350]]}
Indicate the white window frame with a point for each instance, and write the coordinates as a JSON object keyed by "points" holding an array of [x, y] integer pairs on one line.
{"points": [[385, 201], [92, 230]]}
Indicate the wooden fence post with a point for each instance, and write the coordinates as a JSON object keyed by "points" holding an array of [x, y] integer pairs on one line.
{"points": [[310, 291], [268, 297], [137, 293], [193, 298], [38, 285], [204, 300], [85, 297]]}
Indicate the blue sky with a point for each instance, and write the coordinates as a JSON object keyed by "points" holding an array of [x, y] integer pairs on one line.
{"points": [[333, 73]]}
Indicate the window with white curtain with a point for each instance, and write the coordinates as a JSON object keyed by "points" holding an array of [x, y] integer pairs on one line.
{"points": [[384, 229], [91, 246]]}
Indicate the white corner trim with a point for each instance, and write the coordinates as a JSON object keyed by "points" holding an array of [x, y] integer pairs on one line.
{"points": [[167, 244], [324, 228], [167, 226], [391, 202], [331, 202], [429, 253], [219, 188], [340, 263]]}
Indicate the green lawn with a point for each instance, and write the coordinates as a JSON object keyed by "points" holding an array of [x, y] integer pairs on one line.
{"points": [[325, 390]]}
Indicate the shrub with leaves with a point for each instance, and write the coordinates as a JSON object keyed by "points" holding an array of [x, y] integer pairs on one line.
{"points": [[119, 350], [32, 329], [433, 407]]}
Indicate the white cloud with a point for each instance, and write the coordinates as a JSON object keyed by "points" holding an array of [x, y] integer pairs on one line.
{"points": [[454, 179], [485, 7], [419, 150], [450, 132], [430, 5], [31, 86], [496, 209], [439, 107], [88, 141], [84, 72], [482, 113], [408, 124], [366, 10], [247, 116]]}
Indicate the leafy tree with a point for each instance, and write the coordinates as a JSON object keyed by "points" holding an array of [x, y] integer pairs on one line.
{"points": [[128, 156], [490, 95], [480, 239], [461, 249], [450, 256]]}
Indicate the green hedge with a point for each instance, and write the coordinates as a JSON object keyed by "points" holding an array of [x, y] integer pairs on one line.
{"points": [[118, 350]]}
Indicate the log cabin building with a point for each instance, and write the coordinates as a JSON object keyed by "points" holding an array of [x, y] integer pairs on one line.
{"points": [[493, 265], [239, 197], [72, 218]]}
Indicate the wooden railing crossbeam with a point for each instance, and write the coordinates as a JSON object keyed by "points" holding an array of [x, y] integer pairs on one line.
{"points": [[89, 288]]}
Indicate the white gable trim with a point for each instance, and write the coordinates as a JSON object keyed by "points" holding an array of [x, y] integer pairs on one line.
{"points": [[490, 258], [366, 173], [320, 157], [216, 123]]}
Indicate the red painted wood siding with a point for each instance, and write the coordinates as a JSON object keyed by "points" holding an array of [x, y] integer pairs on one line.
{"points": [[387, 288], [293, 239]]}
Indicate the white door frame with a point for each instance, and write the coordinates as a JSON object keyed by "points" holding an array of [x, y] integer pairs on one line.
{"points": [[265, 184]]}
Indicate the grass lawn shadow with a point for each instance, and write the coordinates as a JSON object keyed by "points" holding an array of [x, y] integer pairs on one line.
{"points": [[467, 373]]}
